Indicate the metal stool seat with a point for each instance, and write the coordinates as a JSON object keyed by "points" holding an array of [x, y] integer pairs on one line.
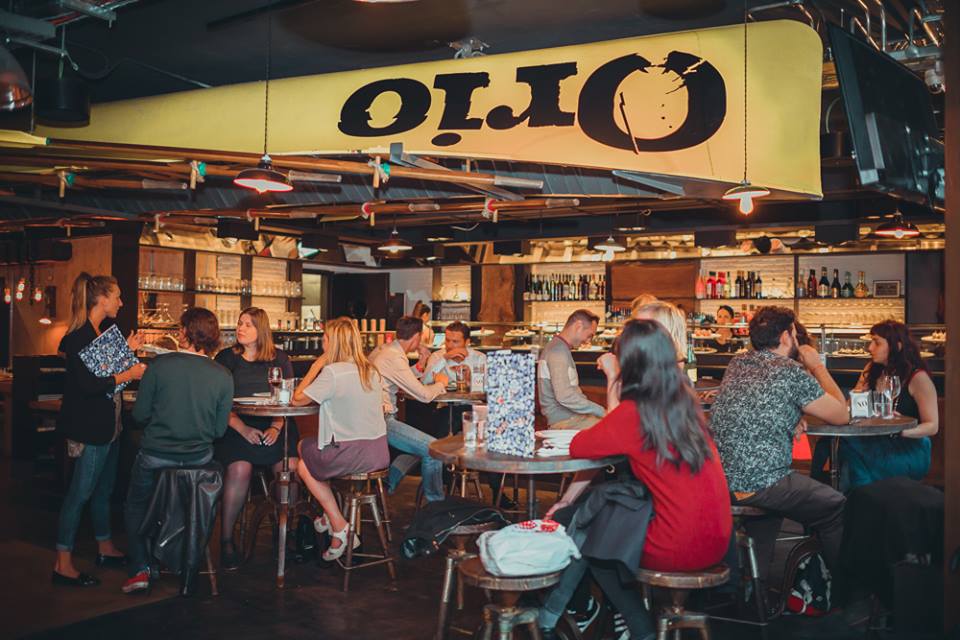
{"points": [[674, 616], [355, 493], [746, 511], [461, 477], [505, 615], [457, 552]]}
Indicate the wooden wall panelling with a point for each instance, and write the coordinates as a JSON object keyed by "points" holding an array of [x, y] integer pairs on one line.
{"points": [[673, 281], [497, 285]]}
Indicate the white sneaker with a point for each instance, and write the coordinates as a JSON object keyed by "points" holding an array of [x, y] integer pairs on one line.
{"points": [[620, 630]]}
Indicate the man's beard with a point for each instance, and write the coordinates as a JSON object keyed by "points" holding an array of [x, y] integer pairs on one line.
{"points": [[794, 349]]}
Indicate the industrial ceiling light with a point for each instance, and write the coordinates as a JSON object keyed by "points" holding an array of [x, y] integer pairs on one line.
{"points": [[14, 88], [897, 228], [395, 245], [264, 177], [610, 244], [745, 192]]}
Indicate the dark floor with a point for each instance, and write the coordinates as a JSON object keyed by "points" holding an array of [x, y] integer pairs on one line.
{"points": [[249, 606]]}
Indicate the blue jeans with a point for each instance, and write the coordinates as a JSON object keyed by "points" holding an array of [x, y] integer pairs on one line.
{"points": [[93, 476], [143, 481], [416, 443]]}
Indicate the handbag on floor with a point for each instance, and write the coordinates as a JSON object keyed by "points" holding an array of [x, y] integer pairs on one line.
{"points": [[810, 594]]}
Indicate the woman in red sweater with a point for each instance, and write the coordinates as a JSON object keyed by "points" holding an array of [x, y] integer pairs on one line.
{"points": [[654, 418]]}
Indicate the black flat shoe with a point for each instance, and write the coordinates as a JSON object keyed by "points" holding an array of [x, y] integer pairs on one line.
{"points": [[111, 561], [82, 580]]}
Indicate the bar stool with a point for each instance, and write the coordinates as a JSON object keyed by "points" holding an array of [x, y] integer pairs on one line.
{"points": [[355, 492], [459, 537], [506, 615], [462, 477], [678, 584], [748, 552]]}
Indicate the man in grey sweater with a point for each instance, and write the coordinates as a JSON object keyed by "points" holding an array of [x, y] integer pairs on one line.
{"points": [[561, 400]]}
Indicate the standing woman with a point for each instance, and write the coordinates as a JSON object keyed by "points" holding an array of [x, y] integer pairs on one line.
{"points": [[894, 353], [352, 437], [251, 441], [90, 420], [422, 311]]}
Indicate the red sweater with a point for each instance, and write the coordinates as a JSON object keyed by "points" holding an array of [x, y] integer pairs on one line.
{"points": [[691, 526]]}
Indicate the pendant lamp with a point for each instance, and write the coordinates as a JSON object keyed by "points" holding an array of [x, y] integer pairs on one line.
{"points": [[264, 178], [610, 244], [745, 192], [15, 90], [897, 228], [395, 244]]}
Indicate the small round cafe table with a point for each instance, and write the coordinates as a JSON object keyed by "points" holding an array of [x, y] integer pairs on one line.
{"points": [[282, 510], [450, 450], [453, 398], [858, 427]]}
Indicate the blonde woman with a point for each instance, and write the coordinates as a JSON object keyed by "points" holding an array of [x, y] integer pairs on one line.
{"points": [[352, 435], [251, 441], [639, 301], [90, 420], [672, 319]]}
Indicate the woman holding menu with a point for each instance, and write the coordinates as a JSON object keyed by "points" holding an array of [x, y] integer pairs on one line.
{"points": [[90, 420]]}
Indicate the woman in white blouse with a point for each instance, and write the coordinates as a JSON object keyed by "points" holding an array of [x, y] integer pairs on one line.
{"points": [[352, 437]]}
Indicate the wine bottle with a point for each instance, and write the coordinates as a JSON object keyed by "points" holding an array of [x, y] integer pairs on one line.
{"points": [[758, 286], [721, 285], [728, 290], [812, 284], [739, 284], [847, 290], [748, 285], [823, 289], [835, 285], [712, 285], [699, 287]]}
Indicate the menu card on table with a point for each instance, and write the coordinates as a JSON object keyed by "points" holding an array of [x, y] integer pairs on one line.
{"points": [[109, 355], [509, 386]]}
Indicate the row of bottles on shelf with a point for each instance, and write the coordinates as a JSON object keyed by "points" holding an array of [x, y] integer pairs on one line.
{"points": [[825, 288], [564, 287], [748, 284]]}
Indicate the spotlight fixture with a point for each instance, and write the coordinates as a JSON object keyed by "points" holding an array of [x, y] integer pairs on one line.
{"points": [[610, 244], [37, 294], [898, 229]]}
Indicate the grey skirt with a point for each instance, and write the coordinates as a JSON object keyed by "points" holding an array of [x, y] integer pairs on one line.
{"points": [[343, 458]]}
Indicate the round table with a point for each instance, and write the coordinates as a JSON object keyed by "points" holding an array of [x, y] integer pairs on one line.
{"points": [[450, 450], [282, 510], [858, 427]]}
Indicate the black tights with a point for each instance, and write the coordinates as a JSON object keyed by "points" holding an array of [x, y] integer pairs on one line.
{"points": [[236, 484]]}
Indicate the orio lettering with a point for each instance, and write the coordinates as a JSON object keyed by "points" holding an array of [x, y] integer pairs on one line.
{"points": [[597, 104]]}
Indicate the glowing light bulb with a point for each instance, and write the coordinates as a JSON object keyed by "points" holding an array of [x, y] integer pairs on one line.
{"points": [[746, 205], [38, 295], [7, 297]]}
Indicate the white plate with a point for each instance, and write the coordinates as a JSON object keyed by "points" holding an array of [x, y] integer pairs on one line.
{"points": [[556, 434], [251, 400], [933, 340], [704, 351]]}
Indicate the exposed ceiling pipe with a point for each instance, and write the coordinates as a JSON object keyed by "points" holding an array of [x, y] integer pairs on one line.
{"points": [[925, 23], [855, 22]]}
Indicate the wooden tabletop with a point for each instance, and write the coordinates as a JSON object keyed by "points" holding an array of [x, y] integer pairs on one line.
{"points": [[861, 427], [450, 450], [454, 397], [275, 410]]}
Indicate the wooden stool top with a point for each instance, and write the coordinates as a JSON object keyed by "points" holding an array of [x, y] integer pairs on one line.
{"points": [[361, 477], [711, 577], [475, 575], [744, 511]]}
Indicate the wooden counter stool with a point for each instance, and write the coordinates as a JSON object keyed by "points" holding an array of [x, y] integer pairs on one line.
{"points": [[457, 552], [505, 615], [355, 492], [678, 584], [460, 478]]}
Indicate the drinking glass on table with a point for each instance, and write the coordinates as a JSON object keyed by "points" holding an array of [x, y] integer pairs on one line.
{"points": [[895, 388], [882, 404], [275, 378], [469, 430], [462, 377]]}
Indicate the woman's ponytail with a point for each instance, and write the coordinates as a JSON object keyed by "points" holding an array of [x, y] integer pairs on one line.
{"points": [[78, 301]]}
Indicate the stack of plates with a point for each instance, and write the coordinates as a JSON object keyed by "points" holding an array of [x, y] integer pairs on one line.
{"points": [[555, 441]]}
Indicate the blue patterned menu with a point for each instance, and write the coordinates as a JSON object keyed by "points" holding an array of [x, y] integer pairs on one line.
{"points": [[109, 355], [510, 387]]}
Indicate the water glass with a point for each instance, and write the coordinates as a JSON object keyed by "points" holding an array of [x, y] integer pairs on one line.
{"points": [[469, 430], [286, 391], [882, 404]]}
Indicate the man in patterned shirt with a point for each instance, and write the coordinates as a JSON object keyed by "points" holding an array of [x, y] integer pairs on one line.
{"points": [[757, 414]]}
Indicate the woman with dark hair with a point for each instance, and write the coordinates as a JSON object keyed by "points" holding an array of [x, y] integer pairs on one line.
{"points": [[894, 353], [724, 339], [250, 441], [90, 420], [422, 310], [655, 420]]}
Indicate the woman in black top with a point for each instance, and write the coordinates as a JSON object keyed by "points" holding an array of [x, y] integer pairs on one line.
{"points": [[251, 441], [90, 420]]}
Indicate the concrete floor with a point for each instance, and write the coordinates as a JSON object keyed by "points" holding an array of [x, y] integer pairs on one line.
{"points": [[249, 606]]}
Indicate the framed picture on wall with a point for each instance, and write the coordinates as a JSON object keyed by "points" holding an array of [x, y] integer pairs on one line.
{"points": [[886, 288]]}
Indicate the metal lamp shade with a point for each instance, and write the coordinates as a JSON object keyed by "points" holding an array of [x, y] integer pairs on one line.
{"points": [[14, 88]]}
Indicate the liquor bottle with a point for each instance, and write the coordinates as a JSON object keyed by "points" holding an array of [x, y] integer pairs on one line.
{"points": [[699, 288], [690, 366], [823, 289], [861, 290], [835, 285], [748, 285], [847, 290], [721, 285], [758, 286], [801, 288], [739, 284], [712, 285], [728, 288], [812, 284]]}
